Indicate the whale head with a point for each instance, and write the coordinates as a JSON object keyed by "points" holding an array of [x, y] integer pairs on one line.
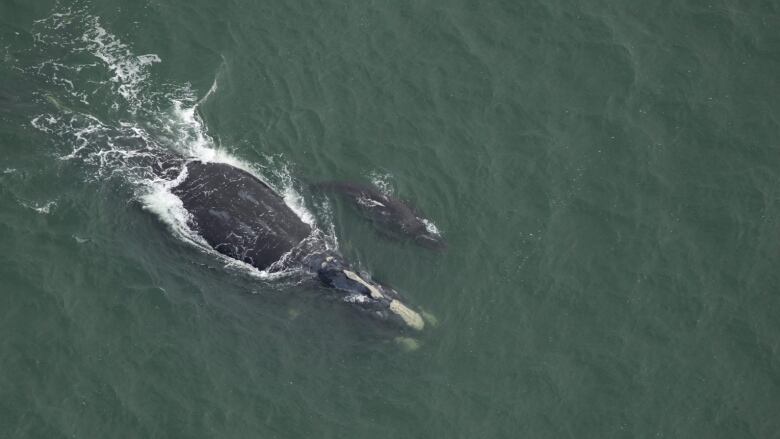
{"points": [[424, 233], [378, 300]]}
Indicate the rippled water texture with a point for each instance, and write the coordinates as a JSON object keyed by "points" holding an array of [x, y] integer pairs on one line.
{"points": [[606, 175]]}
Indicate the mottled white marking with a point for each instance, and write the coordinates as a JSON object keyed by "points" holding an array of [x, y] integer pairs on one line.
{"points": [[409, 317], [372, 289]]}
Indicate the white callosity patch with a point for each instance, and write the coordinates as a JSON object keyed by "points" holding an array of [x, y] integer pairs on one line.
{"points": [[409, 316], [369, 202], [375, 293]]}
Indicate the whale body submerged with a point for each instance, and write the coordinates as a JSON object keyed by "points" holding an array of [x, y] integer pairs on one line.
{"points": [[243, 218], [388, 213]]}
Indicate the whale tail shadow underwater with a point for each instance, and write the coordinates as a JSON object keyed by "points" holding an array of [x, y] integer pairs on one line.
{"points": [[243, 218], [391, 215]]}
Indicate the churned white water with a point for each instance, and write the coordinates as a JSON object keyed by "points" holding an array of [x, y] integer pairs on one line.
{"points": [[125, 147], [383, 181]]}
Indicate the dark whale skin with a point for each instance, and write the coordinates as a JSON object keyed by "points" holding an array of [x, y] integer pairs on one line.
{"points": [[388, 213], [239, 215], [243, 218]]}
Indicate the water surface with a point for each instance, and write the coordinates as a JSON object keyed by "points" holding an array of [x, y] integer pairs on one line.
{"points": [[607, 176]]}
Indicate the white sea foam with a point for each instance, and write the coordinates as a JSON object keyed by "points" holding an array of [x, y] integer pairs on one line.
{"points": [[430, 227], [80, 240], [75, 31], [192, 140], [356, 298], [383, 181], [43, 209], [129, 71], [124, 148], [196, 143], [170, 209], [46, 208], [158, 199]]}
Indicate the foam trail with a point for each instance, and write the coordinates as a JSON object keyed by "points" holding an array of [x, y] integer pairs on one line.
{"points": [[169, 208], [128, 147], [383, 181], [212, 90], [215, 84], [44, 209], [157, 198], [197, 144], [129, 71]]}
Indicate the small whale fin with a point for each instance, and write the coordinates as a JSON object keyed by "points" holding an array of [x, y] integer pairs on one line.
{"points": [[429, 318], [407, 344]]}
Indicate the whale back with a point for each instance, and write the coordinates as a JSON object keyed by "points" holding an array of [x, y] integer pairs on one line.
{"points": [[238, 214], [392, 215], [384, 209]]}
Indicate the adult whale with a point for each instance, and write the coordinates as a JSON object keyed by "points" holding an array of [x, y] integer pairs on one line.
{"points": [[387, 212], [243, 218]]}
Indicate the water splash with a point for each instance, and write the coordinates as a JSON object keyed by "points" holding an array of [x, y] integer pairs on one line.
{"points": [[145, 120], [43, 209], [130, 72], [383, 181]]}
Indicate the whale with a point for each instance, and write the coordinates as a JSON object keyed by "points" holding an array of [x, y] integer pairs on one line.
{"points": [[243, 218], [389, 214]]}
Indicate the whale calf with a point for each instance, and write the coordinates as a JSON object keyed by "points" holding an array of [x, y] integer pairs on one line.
{"points": [[243, 218], [389, 213]]}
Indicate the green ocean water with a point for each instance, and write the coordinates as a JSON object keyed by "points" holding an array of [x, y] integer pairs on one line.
{"points": [[607, 176]]}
